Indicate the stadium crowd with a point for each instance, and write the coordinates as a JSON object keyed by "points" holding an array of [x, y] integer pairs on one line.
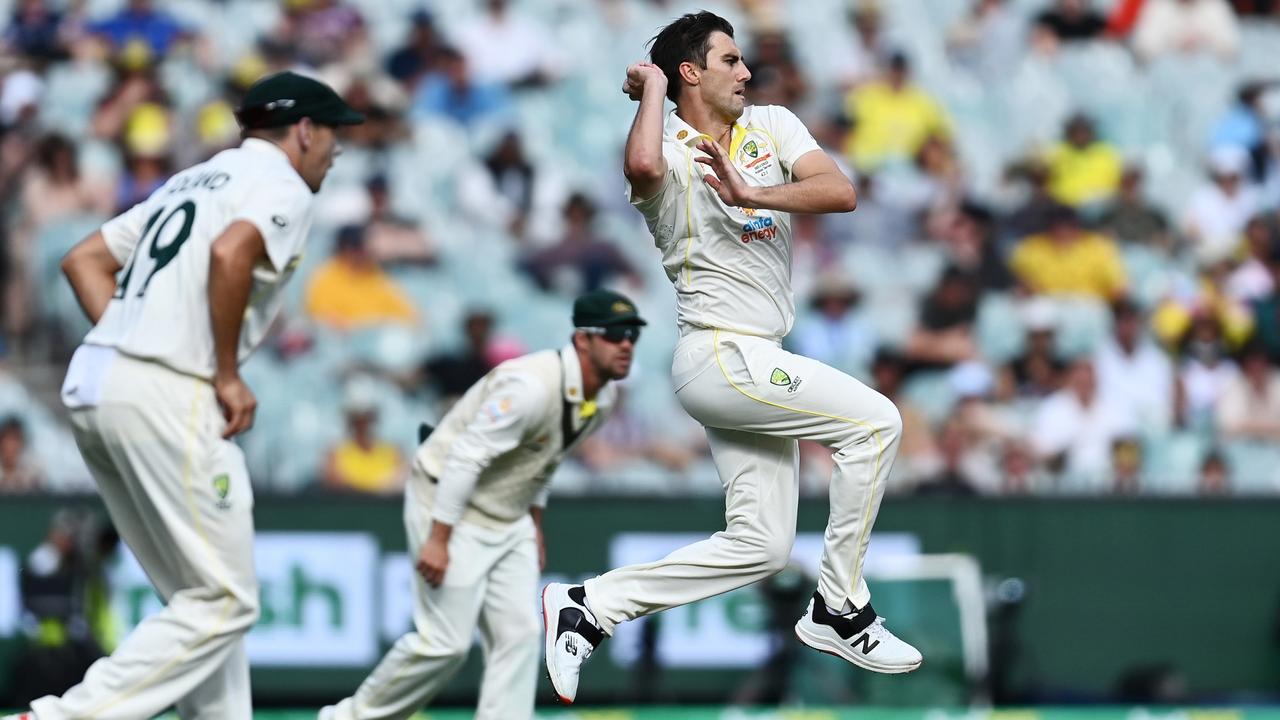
{"points": [[1063, 268]]}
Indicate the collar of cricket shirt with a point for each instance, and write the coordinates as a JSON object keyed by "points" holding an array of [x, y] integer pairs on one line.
{"points": [[687, 135], [573, 394]]}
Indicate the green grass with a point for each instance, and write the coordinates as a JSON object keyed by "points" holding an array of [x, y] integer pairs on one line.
{"points": [[839, 713]]}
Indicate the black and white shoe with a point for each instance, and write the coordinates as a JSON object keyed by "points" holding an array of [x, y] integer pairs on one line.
{"points": [[572, 634], [859, 637]]}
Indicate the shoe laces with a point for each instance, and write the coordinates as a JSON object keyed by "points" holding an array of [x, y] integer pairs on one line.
{"points": [[877, 630]]}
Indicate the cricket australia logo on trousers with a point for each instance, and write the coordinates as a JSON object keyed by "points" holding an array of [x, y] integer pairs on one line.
{"points": [[782, 379], [222, 486]]}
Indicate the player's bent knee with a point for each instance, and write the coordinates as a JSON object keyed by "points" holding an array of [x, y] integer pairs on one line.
{"points": [[518, 643], [454, 656], [441, 645], [244, 612], [892, 420], [777, 558], [771, 555], [879, 418]]}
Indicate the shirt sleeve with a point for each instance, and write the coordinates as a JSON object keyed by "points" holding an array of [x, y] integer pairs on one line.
{"points": [[793, 138], [510, 408], [677, 177], [123, 232], [282, 213]]}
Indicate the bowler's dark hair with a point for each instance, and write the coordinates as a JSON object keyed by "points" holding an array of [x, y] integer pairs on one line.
{"points": [[688, 39]]}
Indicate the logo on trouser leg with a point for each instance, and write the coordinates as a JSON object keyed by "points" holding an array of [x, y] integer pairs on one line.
{"points": [[222, 486], [782, 379]]}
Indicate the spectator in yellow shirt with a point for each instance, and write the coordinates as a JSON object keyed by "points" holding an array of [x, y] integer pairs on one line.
{"points": [[892, 118], [1067, 260], [1083, 170], [362, 462], [350, 291]]}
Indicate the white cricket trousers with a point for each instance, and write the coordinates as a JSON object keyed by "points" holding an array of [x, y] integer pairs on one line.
{"points": [[492, 583], [756, 400], [180, 498]]}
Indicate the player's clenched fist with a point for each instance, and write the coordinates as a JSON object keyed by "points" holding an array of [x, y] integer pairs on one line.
{"points": [[640, 75], [433, 561], [237, 402]]}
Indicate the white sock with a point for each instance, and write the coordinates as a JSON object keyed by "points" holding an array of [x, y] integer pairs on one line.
{"points": [[845, 610]]}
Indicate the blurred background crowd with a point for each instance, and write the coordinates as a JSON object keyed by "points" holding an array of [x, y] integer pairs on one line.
{"points": [[1063, 266]]}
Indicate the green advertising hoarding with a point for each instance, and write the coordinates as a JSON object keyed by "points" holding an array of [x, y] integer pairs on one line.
{"points": [[1109, 586]]}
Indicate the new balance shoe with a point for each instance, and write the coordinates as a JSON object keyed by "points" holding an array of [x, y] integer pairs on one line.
{"points": [[572, 634], [19, 716], [859, 637]]}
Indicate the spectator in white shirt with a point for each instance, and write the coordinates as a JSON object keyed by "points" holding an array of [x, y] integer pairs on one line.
{"points": [[1134, 370], [1249, 407], [1205, 373], [1221, 208], [1074, 429], [1252, 279], [1186, 26], [502, 47]]}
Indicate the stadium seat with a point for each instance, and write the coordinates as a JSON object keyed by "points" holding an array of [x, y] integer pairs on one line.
{"points": [[1259, 50], [1171, 461], [1082, 325], [998, 329], [931, 393], [1253, 467]]}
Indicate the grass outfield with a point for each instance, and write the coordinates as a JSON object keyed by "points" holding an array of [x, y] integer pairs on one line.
{"points": [[842, 713]]}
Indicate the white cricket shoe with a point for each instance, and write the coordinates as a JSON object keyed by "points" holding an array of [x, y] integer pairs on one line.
{"points": [[19, 716], [326, 713], [859, 637], [572, 634]]}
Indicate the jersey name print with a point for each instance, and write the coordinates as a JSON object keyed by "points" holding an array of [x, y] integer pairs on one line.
{"points": [[160, 308]]}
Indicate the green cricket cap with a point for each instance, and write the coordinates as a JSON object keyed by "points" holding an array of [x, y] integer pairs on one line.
{"points": [[602, 308], [287, 97]]}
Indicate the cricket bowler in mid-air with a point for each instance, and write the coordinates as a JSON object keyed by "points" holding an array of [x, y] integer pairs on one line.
{"points": [[155, 395], [717, 181]]}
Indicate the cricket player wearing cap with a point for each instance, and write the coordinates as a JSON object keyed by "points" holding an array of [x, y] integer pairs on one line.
{"points": [[716, 183], [155, 395], [473, 512]]}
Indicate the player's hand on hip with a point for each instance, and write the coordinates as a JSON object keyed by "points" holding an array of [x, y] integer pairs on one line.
{"points": [[237, 402], [726, 180], [433, 561], [639, 75]]}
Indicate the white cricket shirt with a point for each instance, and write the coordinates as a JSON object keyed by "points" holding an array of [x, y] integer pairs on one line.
{"points": [[160, 310], [731, 266]]}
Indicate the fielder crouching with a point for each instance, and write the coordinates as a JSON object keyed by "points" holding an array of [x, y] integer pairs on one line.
{"points": [[473, 513]]}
